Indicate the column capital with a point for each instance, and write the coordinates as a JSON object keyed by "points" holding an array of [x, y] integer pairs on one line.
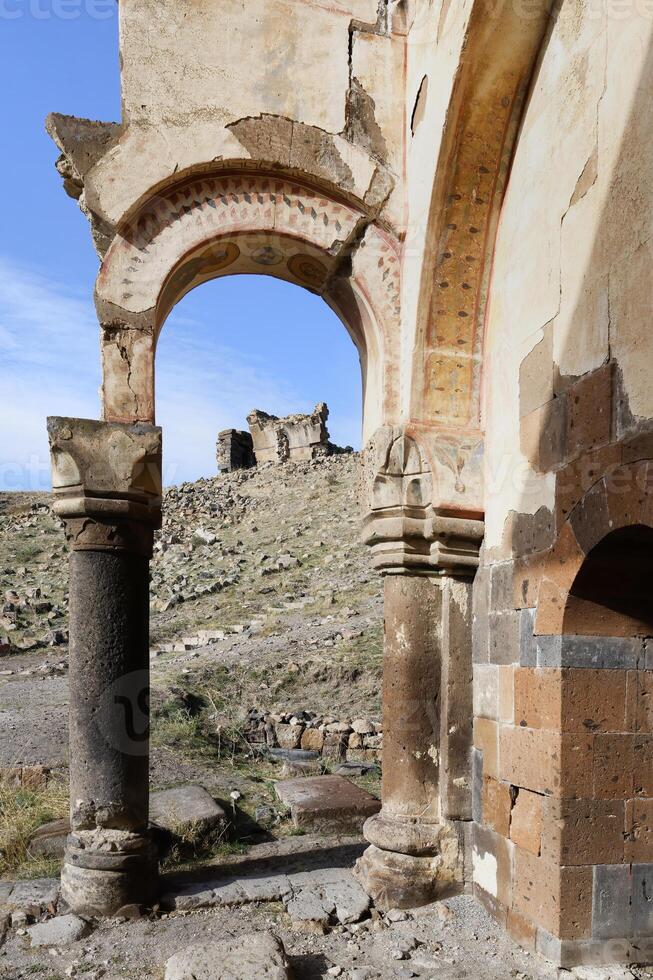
{"points": [[106, 481], [405, 530]]}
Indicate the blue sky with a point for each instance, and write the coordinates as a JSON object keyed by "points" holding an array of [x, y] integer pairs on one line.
{"points": [[231, 345]]}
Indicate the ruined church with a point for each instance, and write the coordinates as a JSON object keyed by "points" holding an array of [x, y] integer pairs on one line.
{"points": [[467, 184]]}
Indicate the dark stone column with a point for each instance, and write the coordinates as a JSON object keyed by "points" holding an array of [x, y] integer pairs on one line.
{"points": [[417, 840], [107, 487]]}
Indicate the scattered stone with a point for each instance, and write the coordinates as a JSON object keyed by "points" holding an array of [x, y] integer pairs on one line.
{"points": [[329, 804], [50, 839], [187, 808], [309, 912], [350, 899], [397, 915], [61, 931], [259, 956]]}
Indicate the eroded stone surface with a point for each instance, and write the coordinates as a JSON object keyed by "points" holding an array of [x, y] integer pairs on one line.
{"points": [[259, 956], [60, 931], [330, 804]]}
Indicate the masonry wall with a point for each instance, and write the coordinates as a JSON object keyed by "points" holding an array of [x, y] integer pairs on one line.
{"points": [[563, 757]]}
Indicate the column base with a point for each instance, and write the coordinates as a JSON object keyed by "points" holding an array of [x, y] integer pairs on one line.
{"points": [[105, 870], [409, 863], [403, 881]]}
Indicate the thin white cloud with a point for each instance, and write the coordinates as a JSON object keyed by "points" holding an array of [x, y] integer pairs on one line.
{"points": [[50, 365]]}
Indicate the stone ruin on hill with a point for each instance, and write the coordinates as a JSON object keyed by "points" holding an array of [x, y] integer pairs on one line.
{"points": [[276, 440]]}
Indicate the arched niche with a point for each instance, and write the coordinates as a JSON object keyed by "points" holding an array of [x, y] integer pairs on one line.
{"points": [[611, 593]]}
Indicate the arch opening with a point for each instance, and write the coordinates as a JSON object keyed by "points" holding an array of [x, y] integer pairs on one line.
{"points": [[611, 594], [243, 342]]}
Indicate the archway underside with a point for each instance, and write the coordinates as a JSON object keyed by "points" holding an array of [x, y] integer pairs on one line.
{"points": [[237, 224]]}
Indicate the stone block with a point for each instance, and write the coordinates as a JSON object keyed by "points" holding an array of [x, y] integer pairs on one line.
{"points": [[477, 786], [639, 832], [60, 931], [258, 956], [611, 908], [328, 804], [335, 746], [521, 930], [593, 700], [501, 587], [558, 899], [537, 698], [613, 775], [642, 899], [643, 765], [589, 411], [644, 706], [504, 637], [486, 691], [480, 610], [497, 803], [527, 642], [507, 694], [548, 650], [526, 821], [50, 839], [187, 808], [492, 858], [288, 736], [486, 740], [312, 740], [547, 762], [603, 652], [583, 832]]}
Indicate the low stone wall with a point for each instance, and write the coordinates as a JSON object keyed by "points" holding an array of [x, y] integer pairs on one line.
{"points": [[357, 740]]}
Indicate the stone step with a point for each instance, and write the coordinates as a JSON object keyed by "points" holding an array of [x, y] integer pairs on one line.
{"points": [[328, 804]]}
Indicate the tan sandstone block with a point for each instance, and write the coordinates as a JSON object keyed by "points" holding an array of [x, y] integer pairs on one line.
{"points": [[526, 821], [497, 803], [590, 411], [558, 899], [537, 698], [583, 832], [507, 693], [613, 767], [639, 832], [593, 700], [546, 761], [521, 929], [312, 740], [486, 740]]}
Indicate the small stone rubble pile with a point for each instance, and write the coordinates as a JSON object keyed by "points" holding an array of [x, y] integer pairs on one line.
{"points": [[357, 740]]}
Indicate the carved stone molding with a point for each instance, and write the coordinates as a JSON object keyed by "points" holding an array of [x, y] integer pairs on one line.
{"points": [[404, 529], [106, 480]]}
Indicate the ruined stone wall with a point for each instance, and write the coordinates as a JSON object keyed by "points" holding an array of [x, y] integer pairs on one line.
{"points": [[295, 437], [563, 853]]}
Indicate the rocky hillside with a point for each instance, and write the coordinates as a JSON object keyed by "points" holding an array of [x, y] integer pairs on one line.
{"points": [[262, 595]]}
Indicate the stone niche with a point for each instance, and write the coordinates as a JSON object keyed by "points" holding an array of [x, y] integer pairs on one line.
{"points": [[235, 451], [295, 437]]}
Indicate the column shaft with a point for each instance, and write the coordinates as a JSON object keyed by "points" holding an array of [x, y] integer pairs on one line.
{"points": [[109, 690]]}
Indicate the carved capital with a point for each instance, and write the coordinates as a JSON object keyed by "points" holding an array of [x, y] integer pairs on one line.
{"points": [[404, 529], [106, 480]]}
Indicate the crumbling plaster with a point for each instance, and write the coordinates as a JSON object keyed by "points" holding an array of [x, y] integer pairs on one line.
{"points": [[580, 232]]}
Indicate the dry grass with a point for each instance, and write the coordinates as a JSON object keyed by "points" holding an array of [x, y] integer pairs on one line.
{"points": [[22, 811]]}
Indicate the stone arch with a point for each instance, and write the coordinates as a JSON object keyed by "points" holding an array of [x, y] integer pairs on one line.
{"points": [[242, 223], [611, 593], [622, 500], [499, 54]]}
